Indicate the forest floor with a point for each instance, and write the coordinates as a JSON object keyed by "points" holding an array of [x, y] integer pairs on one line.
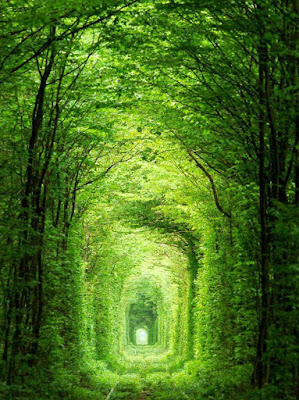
{"points": [[154, 385], [96, 381], [148, 374], [141, 373], [169, 380]]}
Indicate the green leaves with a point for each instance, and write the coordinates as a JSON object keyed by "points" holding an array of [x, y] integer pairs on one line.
{"points": [[104, 211]]}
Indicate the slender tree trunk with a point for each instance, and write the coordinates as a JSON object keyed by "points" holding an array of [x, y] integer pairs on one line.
{"points": [[27, 301], [262, 365], [295, 83]]}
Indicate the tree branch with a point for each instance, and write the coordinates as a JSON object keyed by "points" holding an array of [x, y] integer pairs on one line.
{"points": [[72, 32], [208, 175]]}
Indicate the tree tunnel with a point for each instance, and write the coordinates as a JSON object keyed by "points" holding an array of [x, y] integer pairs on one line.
{"points": [[143, 309], [142, 320], [149, 201]]}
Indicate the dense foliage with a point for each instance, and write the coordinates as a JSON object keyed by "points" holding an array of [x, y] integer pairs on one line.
{"points": [[149, 180]]}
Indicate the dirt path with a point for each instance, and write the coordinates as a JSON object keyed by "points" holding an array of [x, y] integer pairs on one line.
{"points": [[145, 395]]}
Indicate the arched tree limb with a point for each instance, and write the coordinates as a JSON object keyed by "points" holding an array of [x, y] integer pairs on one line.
{"points": [[208, 175]]}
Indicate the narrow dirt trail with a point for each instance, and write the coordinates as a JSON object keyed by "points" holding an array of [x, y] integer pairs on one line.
{"points": [[145, 395]]}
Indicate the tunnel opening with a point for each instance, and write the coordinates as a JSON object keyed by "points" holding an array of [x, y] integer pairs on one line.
{"points": [[141, 337], [143, 319], [153, 322]]}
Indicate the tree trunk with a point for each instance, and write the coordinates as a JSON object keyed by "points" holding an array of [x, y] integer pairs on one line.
{"points": [[262, 365]]}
